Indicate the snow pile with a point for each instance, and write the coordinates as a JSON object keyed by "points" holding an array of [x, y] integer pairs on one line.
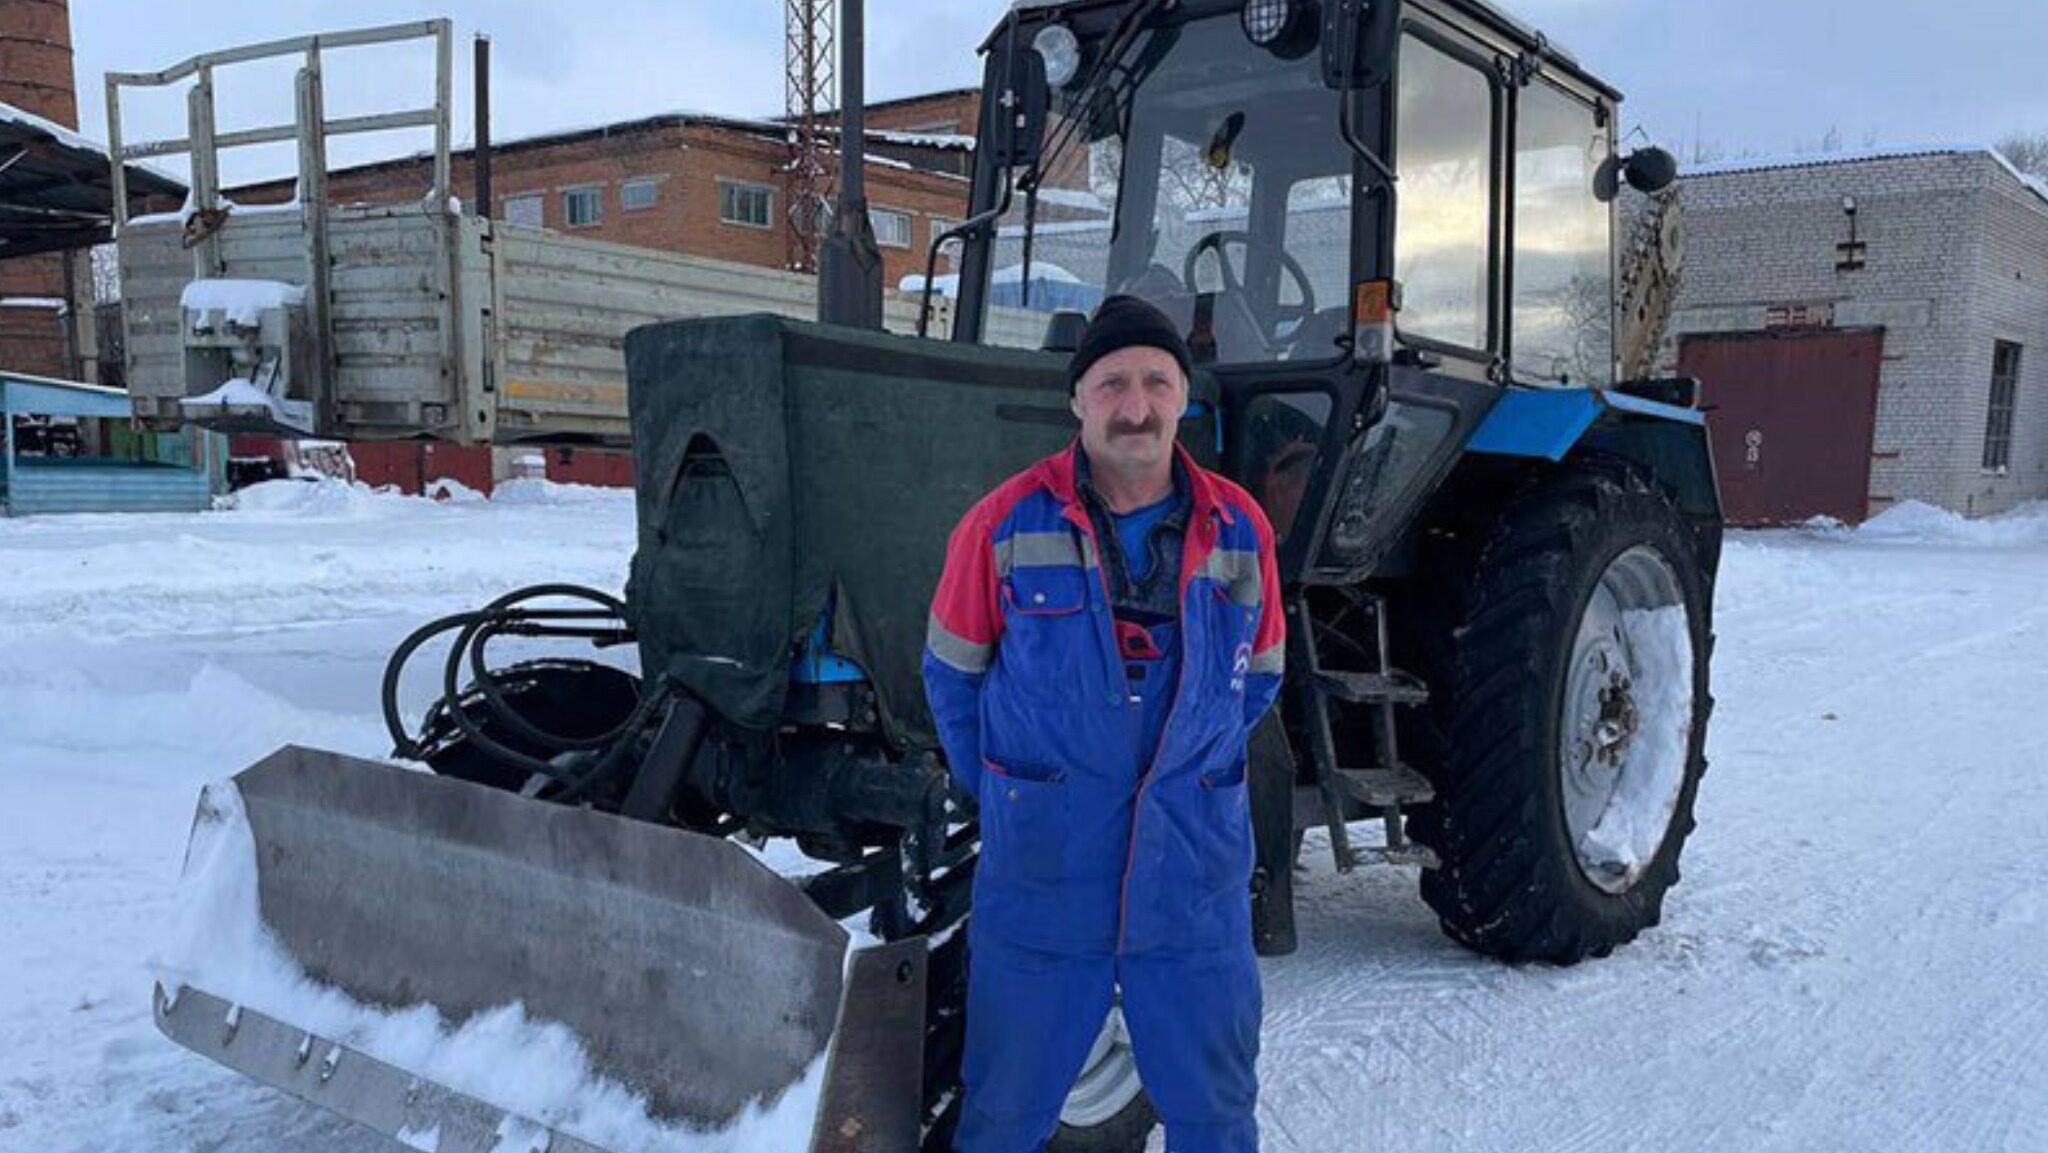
{"points": [[448, 490], [326, 496], [242, 301], [1632, 827], [533, 1069], [1915, 523], [533, 490]]}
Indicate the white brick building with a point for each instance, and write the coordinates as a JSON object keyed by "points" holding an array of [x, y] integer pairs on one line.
{"points": [[1932, 267]]}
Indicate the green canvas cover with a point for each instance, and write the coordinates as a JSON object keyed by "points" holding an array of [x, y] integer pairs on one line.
{"points": [[780, 461]]}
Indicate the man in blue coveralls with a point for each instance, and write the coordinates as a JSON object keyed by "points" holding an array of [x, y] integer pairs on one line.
{"points": [[1107, 631]]}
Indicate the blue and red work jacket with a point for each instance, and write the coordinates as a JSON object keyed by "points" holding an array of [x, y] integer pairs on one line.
{"points": [[1095, 839]]}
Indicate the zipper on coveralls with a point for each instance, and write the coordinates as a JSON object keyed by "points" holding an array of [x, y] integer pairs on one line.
{"points": [[1123, 900], [1105, 623]]}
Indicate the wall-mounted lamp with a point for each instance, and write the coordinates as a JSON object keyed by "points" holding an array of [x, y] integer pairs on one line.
{"points": [[1849, 253]]}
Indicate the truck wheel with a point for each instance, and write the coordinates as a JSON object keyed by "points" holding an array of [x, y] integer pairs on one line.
{"points": [[1108, 1111], [1569, 659]]}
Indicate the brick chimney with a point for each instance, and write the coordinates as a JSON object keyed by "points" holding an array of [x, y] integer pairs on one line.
{"points": [[36, 77]]}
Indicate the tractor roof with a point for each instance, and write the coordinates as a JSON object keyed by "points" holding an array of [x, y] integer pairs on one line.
{"points": [[1514, 33]]}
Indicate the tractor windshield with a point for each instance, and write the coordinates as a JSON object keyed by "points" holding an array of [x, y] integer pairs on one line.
{"points": [[1208, 176]]}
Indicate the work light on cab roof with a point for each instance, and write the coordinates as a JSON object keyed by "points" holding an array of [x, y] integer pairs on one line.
{"points": [[1268, 23], [1055, 43]]}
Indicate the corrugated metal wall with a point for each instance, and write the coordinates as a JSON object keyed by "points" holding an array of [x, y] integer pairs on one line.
{"points": [[114, 486]]}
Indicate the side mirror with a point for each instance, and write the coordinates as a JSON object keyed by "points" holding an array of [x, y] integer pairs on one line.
{"points": [[1650, 170], [1013, 121], [1647, 170], [1358, 42]]}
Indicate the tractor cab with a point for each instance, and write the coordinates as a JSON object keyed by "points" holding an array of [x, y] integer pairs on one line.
{"points": [[1205, 175], [1364, 214]]}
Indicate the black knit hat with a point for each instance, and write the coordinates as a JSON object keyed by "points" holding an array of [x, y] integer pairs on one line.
{"points": [[1124, 322]]}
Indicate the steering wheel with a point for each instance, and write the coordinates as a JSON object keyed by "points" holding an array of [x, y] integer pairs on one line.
{"points": [[1282, 313]]}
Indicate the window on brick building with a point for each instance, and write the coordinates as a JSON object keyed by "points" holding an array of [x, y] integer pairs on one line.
{"points": [[637, 194], [524, 210], [582, 207], [892, 229], [749, 204], [2005, 379]]}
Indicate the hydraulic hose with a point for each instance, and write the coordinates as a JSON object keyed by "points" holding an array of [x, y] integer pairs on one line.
{"points": [[599, 755]]}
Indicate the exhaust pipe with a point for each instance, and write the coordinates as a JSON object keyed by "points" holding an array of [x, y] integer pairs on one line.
{"points": [[849, 261], [482, 69]]}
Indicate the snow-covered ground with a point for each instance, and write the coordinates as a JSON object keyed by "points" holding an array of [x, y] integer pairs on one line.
{"points": [[1853, 962]]}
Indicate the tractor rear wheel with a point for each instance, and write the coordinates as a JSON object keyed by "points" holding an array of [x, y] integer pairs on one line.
{"points": [[1567, 649]]}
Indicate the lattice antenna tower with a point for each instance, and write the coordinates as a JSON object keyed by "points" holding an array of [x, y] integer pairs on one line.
{"points": [[809, 49]]}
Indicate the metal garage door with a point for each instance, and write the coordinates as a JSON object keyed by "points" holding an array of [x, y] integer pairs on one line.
{"points": [[1791, 417]]}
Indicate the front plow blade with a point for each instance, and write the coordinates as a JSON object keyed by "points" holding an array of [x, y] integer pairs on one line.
{"points": [[690, 973]]}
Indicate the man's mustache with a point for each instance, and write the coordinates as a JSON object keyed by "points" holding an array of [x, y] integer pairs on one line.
{"points": [[1150, 426]]}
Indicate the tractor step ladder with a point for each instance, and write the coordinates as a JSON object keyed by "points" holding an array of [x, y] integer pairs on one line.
{"points": [[1387, 785]]}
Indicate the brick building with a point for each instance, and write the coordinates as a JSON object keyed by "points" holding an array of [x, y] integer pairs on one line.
{"points": [[1870, 329], [697, 183], [950, 113], [35, 77]]}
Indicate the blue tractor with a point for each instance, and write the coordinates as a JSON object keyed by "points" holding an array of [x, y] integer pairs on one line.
{"points": [[1388, 230]]}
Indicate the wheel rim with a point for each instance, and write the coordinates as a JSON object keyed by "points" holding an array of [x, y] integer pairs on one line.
{"points": [[1108, 1081], [1626, 731]]}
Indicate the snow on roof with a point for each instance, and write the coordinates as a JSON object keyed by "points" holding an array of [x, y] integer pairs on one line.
{"points": [[70, 139], [2034, 184], [952, 141], [63, 135]]}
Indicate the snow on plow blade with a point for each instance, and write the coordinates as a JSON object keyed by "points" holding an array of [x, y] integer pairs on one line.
{"points": [[691, 975]]}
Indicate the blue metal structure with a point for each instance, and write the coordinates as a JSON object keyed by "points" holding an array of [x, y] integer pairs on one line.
{"points": [[34, 486]]}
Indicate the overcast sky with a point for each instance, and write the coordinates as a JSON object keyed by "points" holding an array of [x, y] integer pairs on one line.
{"points": [[1743, 76]]}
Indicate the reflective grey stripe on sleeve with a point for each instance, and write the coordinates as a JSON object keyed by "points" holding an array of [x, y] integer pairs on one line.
{"points": [[1237, 570], [1038, 548], [956, 651], [1273, 660]]}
